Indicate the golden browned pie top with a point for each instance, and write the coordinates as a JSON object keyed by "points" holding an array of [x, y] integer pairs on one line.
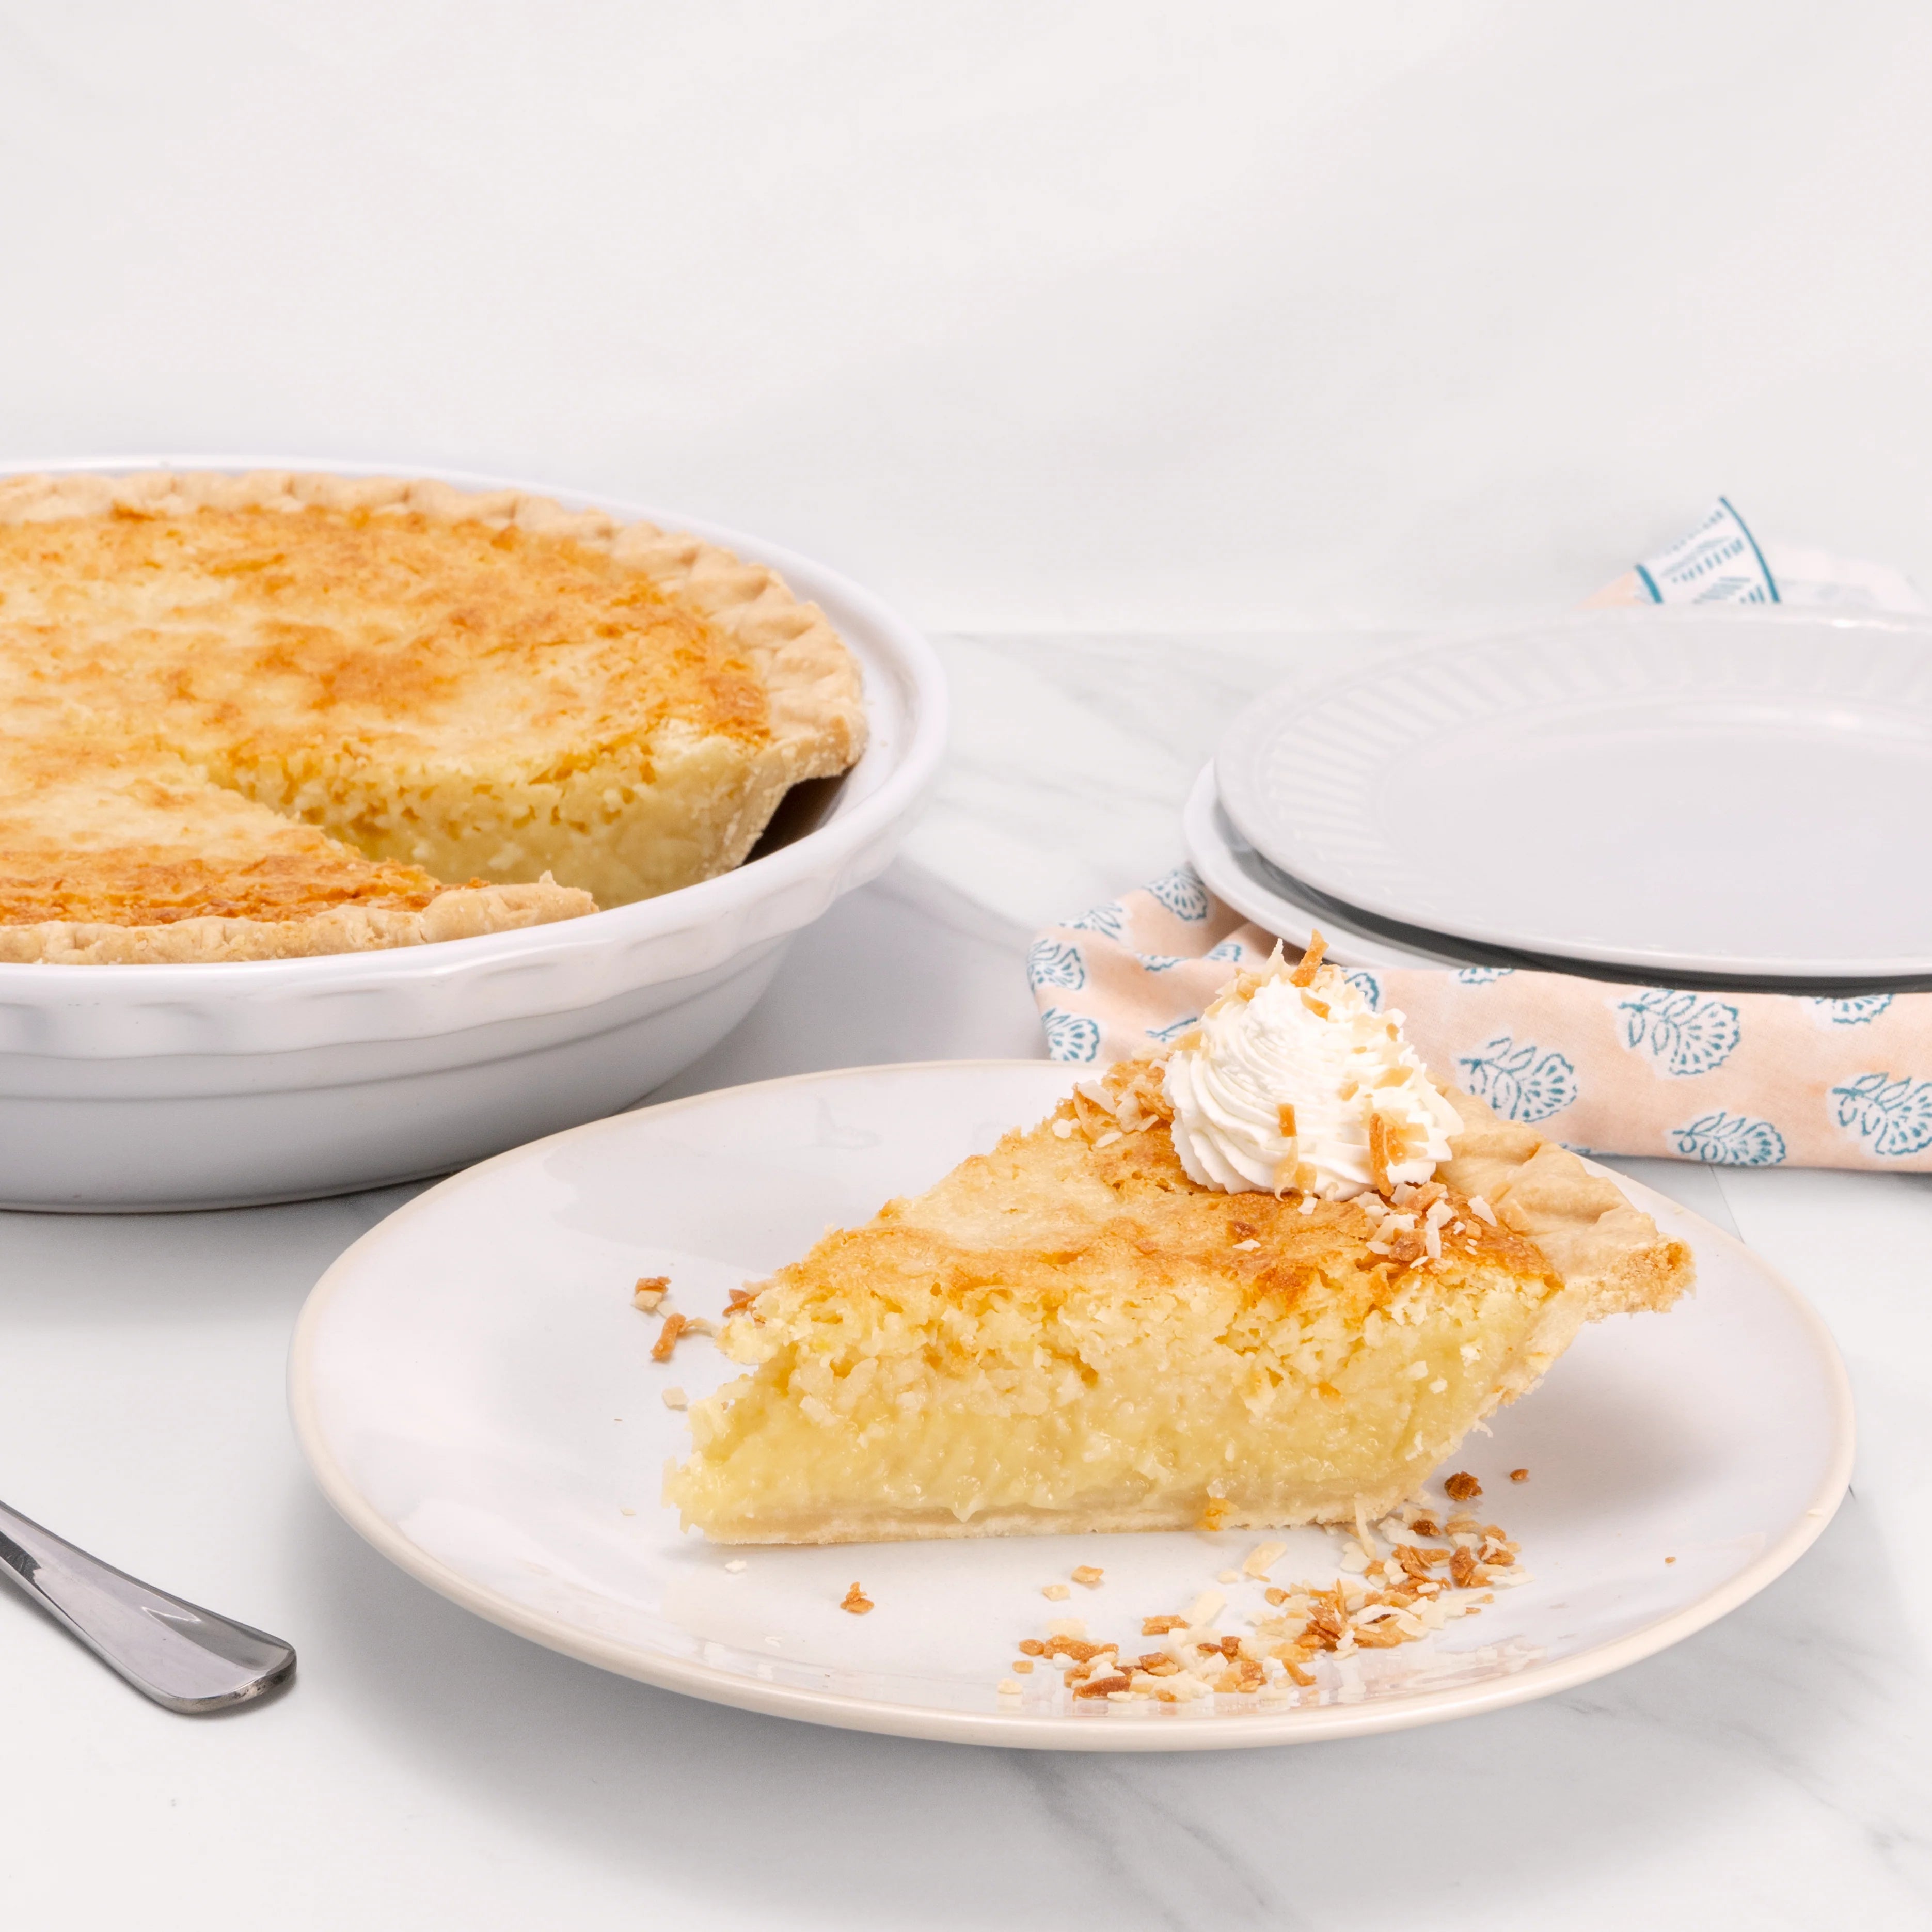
{"points": [[268, 698]]}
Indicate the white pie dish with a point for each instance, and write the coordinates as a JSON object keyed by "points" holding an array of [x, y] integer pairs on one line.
{"points": [[136, 1087], [473, 1390]]}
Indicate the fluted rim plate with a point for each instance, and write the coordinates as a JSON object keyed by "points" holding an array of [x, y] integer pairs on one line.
{"points": [[1733, 794]]}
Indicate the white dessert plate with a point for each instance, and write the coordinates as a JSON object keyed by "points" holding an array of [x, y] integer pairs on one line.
{"points": [[1732, 793], [473, 1390], [1238, 876]]}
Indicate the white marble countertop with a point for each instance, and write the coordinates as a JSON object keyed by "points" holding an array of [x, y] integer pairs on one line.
{"points": [[427, 1769]]}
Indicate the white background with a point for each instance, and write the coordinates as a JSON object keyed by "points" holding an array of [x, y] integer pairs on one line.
{"points": [[1032, 316], [1118, 344]]}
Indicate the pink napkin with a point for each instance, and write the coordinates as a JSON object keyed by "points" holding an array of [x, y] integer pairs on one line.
{"points": [[1740, 1079]]}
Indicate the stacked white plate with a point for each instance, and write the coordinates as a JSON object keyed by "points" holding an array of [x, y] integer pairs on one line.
{"points": [[1716, 797]]}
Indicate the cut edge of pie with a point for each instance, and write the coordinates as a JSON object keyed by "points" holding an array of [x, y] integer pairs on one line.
{"points": [[1000, 1355], [815, 726]]}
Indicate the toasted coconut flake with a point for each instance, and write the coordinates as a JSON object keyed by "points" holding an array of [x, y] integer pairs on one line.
{"points": [[1379, 1149], [856, 1600], [1304, 975], [1205, 1608], [651, 1289]]}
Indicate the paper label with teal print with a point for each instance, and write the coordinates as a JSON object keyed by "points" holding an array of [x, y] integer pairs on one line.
{"points": [[1719, 562]]}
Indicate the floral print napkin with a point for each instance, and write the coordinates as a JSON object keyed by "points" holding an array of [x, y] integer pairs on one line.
{"points": [[1740, 1079]]}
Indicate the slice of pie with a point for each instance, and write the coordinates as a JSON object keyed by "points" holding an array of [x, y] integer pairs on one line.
{"points": [[419, 691], [1073, 1333]]}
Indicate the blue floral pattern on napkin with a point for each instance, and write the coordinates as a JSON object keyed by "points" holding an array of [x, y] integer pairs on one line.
{"points": [[1173, 1030], [1730, 1140], [1183, 894], [1892, 1117], [1522, 1083], [1052, 963], [1686, 1033], [1860, 1012], [1070, 1035], [1109, 920]]}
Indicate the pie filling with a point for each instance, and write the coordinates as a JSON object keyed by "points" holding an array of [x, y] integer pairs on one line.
{"points": [[1067, 1417]]}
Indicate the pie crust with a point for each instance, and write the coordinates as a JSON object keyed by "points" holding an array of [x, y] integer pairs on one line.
{"points": [[279, 714]]}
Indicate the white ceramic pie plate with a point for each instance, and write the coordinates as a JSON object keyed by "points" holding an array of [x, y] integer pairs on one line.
{"points": [[1236, 875], [1738, 794], [143, 1087], [473, 1389]]}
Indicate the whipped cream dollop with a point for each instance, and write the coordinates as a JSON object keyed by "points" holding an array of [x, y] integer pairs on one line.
{"points": [[1294, 1082]]}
